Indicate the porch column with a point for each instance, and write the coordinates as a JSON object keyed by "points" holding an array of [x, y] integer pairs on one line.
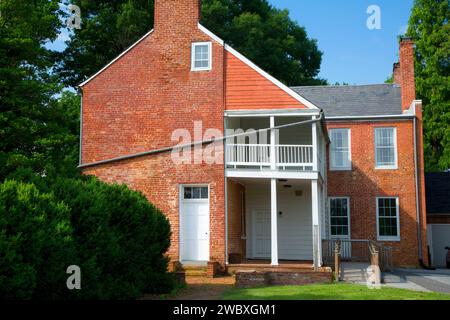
{"points": [[315, 224], [274, 222], [314, 143]]}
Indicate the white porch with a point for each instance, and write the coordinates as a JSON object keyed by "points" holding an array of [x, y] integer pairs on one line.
{"points": [[275, 219], [276, 186]]}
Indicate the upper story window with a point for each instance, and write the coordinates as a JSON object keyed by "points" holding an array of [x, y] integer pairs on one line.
{"points": [[340, 151], [385, 148], [201, 56]]}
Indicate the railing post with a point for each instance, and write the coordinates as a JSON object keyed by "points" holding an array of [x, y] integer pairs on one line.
{"points": [[273, 156], [337, 260], [375, 264]]}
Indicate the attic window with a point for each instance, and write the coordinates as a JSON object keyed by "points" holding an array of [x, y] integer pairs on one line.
{"points": [[201, 56]]}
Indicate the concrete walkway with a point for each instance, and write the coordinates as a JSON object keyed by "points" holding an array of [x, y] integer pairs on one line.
{"points": [[419, 280]]}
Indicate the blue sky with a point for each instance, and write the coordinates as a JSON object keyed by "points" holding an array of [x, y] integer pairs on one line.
{"points": [[352, 53]]}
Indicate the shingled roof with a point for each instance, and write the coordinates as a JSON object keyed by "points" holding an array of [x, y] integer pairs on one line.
{"points": [[364, 100], [437, 187]]}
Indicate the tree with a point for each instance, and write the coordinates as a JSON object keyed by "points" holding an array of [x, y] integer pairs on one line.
{"points": [[272, 40], [428, 26], [26, 83]]}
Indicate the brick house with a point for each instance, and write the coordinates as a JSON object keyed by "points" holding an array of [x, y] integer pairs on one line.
{"points": [[347, 164]]}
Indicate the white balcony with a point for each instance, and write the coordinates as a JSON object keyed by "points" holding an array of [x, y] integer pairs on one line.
{"points": [[298, 157]]}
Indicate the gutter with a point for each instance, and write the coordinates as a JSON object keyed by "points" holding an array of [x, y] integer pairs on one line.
{"points": [[193, 144], [382, 117]]}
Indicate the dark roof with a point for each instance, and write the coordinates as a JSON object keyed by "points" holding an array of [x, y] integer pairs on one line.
{"points": [[437, 186], [365, 100]]}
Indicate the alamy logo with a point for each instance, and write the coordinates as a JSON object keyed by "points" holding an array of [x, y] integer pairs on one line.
{"points": [[374, 20], [74, 20], [74, 280]]}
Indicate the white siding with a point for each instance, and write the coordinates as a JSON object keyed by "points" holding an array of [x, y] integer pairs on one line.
{"points": [[294, 225]]}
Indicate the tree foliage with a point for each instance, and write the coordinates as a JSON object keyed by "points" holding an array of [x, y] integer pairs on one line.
{"points": [[32, 122], [263, 33], [429, 27]]}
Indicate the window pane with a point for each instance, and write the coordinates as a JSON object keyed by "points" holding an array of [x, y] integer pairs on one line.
{"points": [[187, 193], [339, 217], [204, 193], [201, 56], [385, 146], [196, 193], [387, 217], [340, 150]]}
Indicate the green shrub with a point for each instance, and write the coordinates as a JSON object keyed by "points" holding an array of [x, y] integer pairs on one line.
{"points": [[116, 237], [35, 243], [121, 237]]}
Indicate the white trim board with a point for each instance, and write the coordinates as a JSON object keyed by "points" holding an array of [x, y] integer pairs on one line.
{"points": [[117, 58]]}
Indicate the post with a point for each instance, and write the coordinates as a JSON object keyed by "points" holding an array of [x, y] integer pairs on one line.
{"points": [[337, 260], [315, 222], [314, 143], [274, 222], [375, 278], [273, 156]]}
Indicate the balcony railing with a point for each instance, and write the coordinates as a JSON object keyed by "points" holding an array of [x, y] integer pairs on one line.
{"points": [[258, 155]]}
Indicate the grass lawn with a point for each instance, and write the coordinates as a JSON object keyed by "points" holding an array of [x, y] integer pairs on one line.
{"points": [[330, 292]]}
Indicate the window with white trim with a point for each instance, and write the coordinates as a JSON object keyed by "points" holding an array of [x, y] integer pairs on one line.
{"points": [[340, 150], [386, 148], [193, 193], [339, 217], [388, 224], [201, 56]]}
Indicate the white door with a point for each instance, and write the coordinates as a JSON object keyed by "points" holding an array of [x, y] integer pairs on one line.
{"points": [[194, 223], [262, 228], [440, 238]]}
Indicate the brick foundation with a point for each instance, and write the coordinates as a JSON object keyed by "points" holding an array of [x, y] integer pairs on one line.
{"points": [[249, 279]]}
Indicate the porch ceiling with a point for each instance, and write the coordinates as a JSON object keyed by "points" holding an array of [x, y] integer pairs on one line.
{"points": [[260, 182]]}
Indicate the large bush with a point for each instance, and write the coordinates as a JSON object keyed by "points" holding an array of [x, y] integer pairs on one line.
{"points": [[116, 237], [35, 242]]}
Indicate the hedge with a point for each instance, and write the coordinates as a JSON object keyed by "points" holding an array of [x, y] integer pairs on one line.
{"points": [[116, 237]]}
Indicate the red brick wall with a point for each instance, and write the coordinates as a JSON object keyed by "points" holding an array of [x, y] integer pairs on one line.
{"points": [[364, 183], [136, 103]]}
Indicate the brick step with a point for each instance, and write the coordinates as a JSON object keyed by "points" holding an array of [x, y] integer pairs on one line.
{"points": [[193, 271]]}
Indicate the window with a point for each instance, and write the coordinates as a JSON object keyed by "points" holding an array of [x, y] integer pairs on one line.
{"points": [[386, 148], [201, 56], [340, 149], [194, 193], [388, 224], [340, 217]]}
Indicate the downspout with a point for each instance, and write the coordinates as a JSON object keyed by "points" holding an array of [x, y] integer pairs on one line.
{"points": [[225, 153], [80, 155], [419, 230]]}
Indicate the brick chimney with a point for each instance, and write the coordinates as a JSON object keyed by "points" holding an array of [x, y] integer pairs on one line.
{"points": [[404, 72], [397, 77], [175, 16]]}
